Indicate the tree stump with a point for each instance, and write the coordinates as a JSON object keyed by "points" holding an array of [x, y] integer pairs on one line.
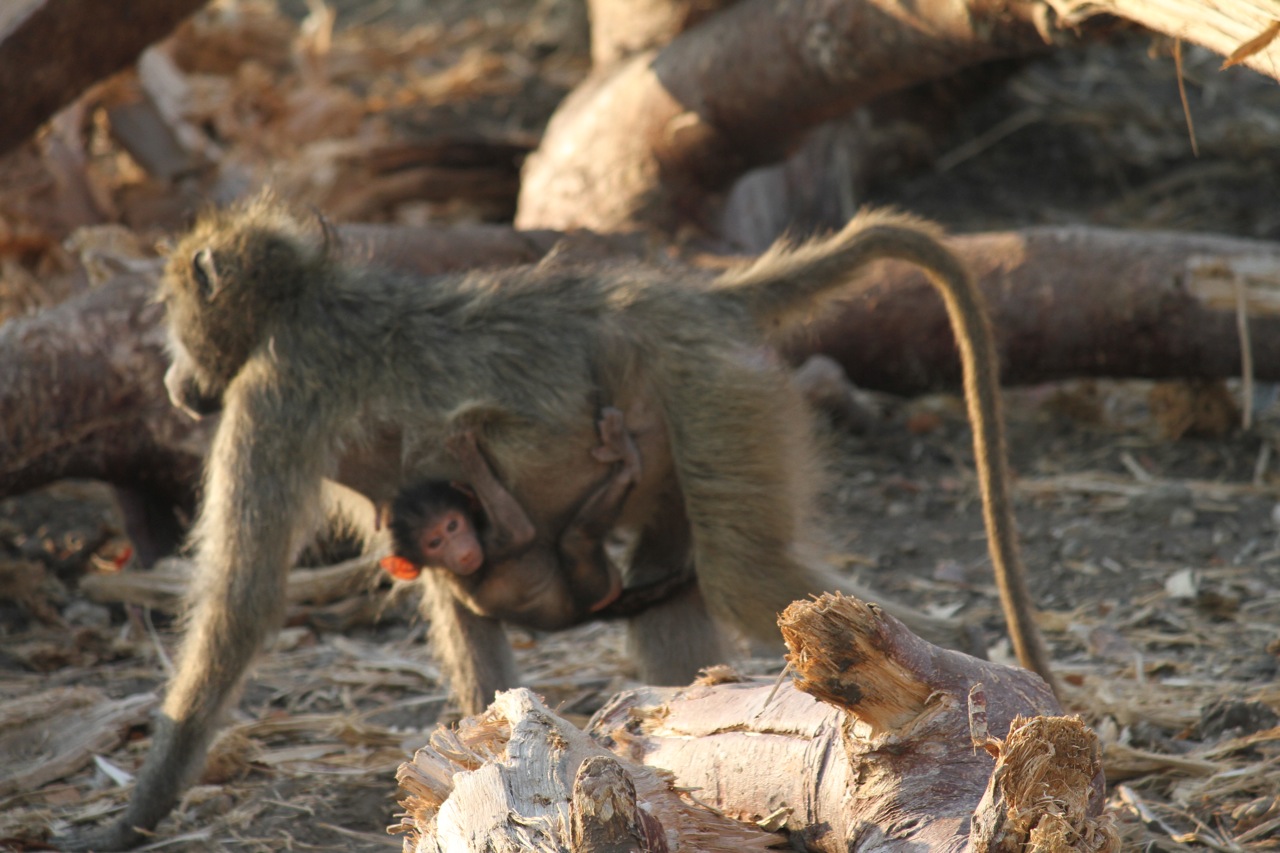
{"points": [[883, 742]]}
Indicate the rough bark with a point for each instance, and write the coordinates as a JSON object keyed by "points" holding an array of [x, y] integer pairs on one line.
{"points": [[1068, 302], [622, 28], [650, 142], [51, 50], [82, 395], [897, 754], [81, 391]]}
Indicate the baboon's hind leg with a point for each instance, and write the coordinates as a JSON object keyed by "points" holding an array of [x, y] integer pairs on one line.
{"points": [[743, 447], [671, 641]]}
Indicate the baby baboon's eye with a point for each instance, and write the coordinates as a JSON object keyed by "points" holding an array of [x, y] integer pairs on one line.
{"points": [[205, 273]]}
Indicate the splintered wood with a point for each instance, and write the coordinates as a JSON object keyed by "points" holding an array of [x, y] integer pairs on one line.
{"points": [[887, 760], [1046, 792], [520, 778]]}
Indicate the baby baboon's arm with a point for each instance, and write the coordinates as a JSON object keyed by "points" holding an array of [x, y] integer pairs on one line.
{"points": [[510, 529]]}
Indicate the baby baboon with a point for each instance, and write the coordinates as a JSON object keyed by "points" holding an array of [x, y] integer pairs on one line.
{"points": [[313, 359], [479, 533]]}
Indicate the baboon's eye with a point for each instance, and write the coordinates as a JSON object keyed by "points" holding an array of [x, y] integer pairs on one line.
{"points": [[206, 274]]}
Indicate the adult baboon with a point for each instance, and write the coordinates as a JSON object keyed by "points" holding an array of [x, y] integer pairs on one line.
{"points": [[312, 359]]}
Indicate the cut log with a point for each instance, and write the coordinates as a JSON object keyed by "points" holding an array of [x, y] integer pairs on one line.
{"points": [[81, 391], [51, 50], [82, 395], [653, 140], [519, 778], [882, 761], [877, 745]]}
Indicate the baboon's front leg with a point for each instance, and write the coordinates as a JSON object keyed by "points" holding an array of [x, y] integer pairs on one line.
{"points": [[472, 650]]}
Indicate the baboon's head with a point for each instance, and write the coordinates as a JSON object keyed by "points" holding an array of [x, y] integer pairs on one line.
{"points": [[224, 289]]}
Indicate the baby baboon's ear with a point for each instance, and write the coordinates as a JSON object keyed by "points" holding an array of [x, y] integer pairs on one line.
{"points": [[205, 272]]}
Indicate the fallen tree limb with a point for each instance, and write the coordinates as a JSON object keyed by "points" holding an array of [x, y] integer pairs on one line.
{"points": [[882, 761], [82, 395], [51, 50], [81, 391], [164, 586], [887, 759], [1067, 302], [653, 140]]}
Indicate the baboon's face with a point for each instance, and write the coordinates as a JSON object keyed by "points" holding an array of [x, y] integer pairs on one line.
{"points": [[186, 391], [214, 321]]}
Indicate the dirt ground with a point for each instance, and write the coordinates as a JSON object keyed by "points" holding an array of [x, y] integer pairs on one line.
{"points": [[1150, 522]]}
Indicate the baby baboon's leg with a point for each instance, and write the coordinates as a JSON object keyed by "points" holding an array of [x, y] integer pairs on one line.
{"points": [[472, 650]]}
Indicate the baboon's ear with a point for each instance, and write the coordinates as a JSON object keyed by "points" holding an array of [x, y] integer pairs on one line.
{"points": [[205, 272], [330, 240]]}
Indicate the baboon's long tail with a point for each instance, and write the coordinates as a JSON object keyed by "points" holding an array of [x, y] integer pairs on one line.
{"points": [[786, 284]]}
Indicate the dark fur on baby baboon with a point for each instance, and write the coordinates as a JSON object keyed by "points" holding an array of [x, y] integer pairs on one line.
{"points": [[315, 361]]}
